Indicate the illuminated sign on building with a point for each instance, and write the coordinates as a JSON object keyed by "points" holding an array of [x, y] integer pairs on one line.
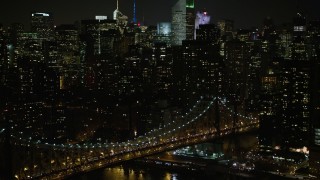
{"points": [[190, 4], [101, 18], [299, 28], [42, 14], [164, 28]]}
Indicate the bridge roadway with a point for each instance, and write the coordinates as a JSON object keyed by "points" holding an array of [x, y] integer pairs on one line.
{"points": [[197, 126]]}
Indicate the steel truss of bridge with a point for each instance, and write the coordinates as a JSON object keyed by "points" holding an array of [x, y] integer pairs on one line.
{"points": [[208, 119]]}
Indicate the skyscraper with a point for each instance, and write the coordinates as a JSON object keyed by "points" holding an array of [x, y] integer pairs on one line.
{"points": [[3, 54], [314, 158], [179, 22], [190, 19], [295, 103], [121, 19], [285, 95], [164, 28], [67, 39], [183, 20], [269, 100], [164, 33], [314, 37], [236, 62], [202, 18], [42, 24], [208, 32], [225, 26], [96, 34]]}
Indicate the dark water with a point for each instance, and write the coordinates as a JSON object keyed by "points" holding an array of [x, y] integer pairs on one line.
{"points": [[141, 172], [144, 173]]}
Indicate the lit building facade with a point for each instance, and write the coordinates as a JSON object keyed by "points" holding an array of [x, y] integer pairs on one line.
{"points": [[183, 20], [3, 55], [15, 33], [314, 158], [121, 19], [269, 107], [164, 28], [197, 70], [30, 45], [314, 40], [43, 25], [208, 32], [201, 19], [295, 103], [295, 100], [286, 92], [190, 19], [96, 33], [162, 69], [236, 60], [226, 26], [164, 33], [68, 49]]}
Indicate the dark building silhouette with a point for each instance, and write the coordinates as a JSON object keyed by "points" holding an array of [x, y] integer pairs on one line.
{"points": [[43, 25]]}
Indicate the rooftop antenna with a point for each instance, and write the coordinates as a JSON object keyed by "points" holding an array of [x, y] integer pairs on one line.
{"points": [[117, 4], [298, 7], [134, 12], [143, 19]]}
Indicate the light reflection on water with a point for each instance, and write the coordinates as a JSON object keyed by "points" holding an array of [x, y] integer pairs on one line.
{"points": [[139, 173], [121, 173]]}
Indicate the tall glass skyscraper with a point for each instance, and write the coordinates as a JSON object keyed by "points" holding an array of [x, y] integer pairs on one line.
{"points": [[42, 24], [190, 19]]}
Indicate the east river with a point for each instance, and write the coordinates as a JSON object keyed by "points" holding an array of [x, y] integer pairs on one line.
{"points": [[195, 169], [132, 172]]}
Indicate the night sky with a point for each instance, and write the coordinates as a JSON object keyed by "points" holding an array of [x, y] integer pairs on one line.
{"points": [[246, 13]]}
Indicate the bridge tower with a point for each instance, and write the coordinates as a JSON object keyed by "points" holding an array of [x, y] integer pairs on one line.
{"points": [[6, 166], [235, 115], [213, 115], [218, 144], [217, 117], [234, 140]]}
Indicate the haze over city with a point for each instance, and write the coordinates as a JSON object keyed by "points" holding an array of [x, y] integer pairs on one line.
{"points": [[245, 13]]}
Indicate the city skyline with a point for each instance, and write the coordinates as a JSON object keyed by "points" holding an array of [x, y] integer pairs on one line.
{"points": [[152, 12], [102, 91]]}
